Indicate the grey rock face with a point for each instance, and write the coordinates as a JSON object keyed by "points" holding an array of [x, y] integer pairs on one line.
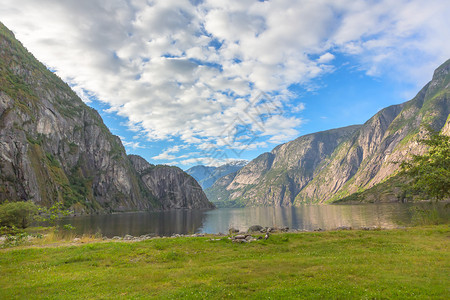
{"points": [[329, 165], [171, 186], [276, 177], [55, 148]]}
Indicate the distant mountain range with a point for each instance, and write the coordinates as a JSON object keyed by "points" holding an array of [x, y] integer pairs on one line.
{"points": [[55, 148], [206, 176], [356, 162]]}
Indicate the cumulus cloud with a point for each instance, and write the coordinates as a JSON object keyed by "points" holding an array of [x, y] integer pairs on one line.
{"points": [[193, 69], [131, 145], [167, 154], [164, 156], [326, 58]]}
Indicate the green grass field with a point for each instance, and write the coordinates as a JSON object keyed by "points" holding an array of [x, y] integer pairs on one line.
{"points": [[402, 263]]}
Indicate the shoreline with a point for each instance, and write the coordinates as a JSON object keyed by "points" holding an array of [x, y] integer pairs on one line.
{"points": [[70, 239]]}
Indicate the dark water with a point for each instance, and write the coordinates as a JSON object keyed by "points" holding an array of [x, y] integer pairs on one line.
{"points": [[306, 217]]}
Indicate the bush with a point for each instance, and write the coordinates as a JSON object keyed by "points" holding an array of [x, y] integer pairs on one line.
{"points": [[6, 230], [17, 214], [52, 214], [16, 239]]}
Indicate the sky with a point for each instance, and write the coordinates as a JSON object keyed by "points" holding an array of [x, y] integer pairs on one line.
{"points": [[208, 82]]}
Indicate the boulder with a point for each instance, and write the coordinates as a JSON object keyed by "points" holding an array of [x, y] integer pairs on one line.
{"points": [[239, 237], [249, 238], [239, 241], [344, 228], [233, 230], [255, 228]]}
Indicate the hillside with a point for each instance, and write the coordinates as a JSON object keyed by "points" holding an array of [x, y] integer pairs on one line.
{"points": [[171, 186], [55, 148], [207, 175], [330, 165]]}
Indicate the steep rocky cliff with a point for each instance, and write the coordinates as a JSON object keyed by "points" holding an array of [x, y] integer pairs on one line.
{"points": [[55, 148], [173, 187], [207, 175], [330, 165], [276, 177]]}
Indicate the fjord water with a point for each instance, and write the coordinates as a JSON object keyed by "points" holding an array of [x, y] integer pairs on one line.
{"points": [[305, 217]]}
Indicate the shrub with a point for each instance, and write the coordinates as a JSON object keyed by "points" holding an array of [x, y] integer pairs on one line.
{"points": [[17, 214], [52, 214], [16, 239]]}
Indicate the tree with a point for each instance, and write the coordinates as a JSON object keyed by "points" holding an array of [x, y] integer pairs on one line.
{"points": [[17, 214], [430, 172], [22, 213], [52, 214]]}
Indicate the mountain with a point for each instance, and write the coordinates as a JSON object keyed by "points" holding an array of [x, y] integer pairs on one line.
{"points": [[330, 165], [53, 147], [201, 173], [276, 177], [207, 175], [173, 187]]}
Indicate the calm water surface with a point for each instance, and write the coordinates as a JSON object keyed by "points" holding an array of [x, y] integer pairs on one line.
{"points": [[306, 217]]}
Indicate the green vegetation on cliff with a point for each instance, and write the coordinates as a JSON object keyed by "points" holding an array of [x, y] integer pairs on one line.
{"points": [[421, 177], [430, 172], [390, 190]]}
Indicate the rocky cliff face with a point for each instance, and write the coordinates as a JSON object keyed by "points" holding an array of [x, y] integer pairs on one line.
{"points": [[55, 148], [207, 176], [330, 165], [171, 186], [275, 178]]}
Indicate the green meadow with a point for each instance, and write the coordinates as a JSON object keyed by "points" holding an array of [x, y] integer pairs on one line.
{"points": [[377, 264]]}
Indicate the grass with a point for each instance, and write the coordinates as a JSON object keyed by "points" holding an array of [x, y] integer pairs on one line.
{"points": [[404, 263]]}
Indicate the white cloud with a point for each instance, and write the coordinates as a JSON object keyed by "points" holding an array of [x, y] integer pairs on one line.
{"points": [[325, 58], [175, 149], [164, 156], [132, 145], [177, 69], [167, 154]]}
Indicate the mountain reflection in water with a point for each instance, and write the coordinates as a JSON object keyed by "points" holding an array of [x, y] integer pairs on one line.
{"points": [[305, 217]]}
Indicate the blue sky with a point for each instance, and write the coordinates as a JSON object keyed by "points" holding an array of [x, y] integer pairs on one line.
{"points": [[344, 97], [205, 82]]}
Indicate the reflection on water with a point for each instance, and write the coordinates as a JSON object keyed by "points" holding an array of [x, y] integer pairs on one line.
{"points": [[160, 223], [306, 217]]}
